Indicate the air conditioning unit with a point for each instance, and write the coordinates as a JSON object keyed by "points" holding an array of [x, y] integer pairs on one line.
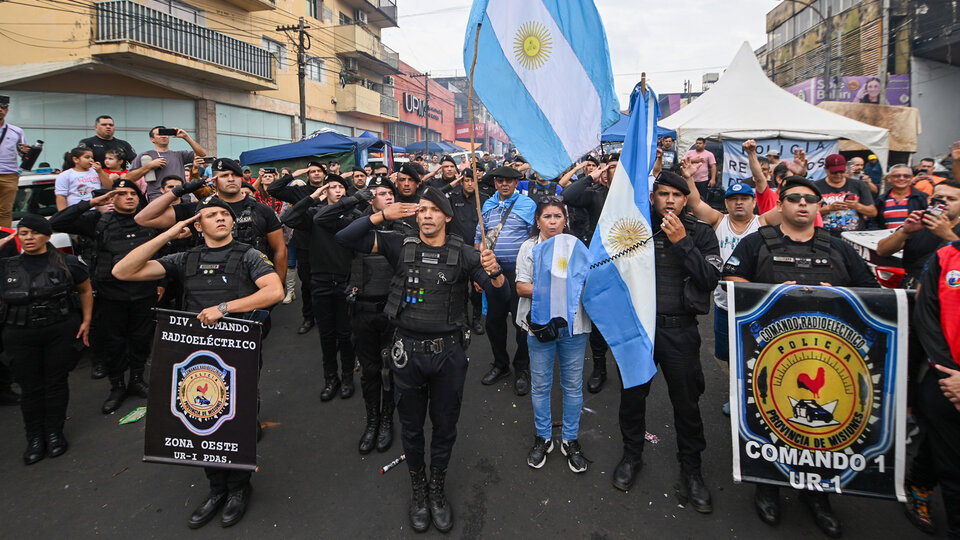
{"points": [[351, 64], [361, 16], [388, 80]]}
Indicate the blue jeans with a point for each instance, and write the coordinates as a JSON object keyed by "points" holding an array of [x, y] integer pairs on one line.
{"points": [[721, 339], [570, 350]]}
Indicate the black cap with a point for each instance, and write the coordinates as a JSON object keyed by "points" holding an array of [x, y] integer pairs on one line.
{"points": [[434, 195], [797, 181], [4, 100], [410, 171], [519, 158], [336, 178], [380, 181], [673, 180], [36, 223], [227, 164], [505, 172], [448, 158], [213, 200], [316, 164]]}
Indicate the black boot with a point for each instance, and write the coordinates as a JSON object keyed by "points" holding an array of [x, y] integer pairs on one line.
{"points": [[330, 389], [599, 375], [692, 489], [439, 505], [419, 513], [479, 322], [36, 449], [137, 386], [118, 391], [346, 391], [98, 370], [56, 444], [369, 438], [385, 434]]}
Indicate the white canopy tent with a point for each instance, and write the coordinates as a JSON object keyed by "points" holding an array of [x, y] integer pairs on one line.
{"points": [[745, 104]]}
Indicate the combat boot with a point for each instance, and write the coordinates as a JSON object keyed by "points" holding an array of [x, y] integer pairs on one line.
{"points": [[137, 386], [419, 513], [599, 375], [440, 509], [369, 438], [118, 391], [97, 369], [385, 434]]}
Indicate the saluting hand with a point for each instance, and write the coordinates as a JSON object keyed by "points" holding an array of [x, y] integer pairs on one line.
{"points": [[181, 229], [400, 210], [103, 199], [7, 239]]}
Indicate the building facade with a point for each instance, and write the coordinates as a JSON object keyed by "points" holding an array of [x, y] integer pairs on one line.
{"points": [[421, 117], [219, 69], [488, 135]]}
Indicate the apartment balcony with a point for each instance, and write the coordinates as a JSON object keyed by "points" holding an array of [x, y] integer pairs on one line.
{"points": [[357, 100], [253, 5], [354, 42], [380, 13], [130, 33]]}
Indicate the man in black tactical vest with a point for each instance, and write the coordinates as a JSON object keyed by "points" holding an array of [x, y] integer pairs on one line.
{"points": [[539, 188], [46, 303], [124, 309], [221, 277], [427, 303], [688, 268], [797, 252]]}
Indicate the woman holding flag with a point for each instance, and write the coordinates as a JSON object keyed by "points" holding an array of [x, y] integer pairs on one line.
{"points": [[551, 269]]}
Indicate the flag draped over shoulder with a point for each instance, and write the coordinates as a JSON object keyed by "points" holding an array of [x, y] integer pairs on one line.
{"points": [[620, 291], [543, 71], [560, 267]]}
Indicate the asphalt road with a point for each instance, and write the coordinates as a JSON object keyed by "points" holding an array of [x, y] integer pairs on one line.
{"points": [[312, 482]]}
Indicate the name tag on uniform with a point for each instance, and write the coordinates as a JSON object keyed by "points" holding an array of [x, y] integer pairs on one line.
{"points": [[431, 258], [804, 262], [209, 268], [783, 259]]}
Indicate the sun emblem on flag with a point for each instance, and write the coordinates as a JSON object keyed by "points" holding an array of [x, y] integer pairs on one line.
{"points": [[532, 45], [627, 237], [563, 263]]}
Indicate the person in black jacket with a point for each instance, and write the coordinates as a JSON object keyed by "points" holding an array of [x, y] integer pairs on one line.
{"points": [[330, 268], [124, 309]]}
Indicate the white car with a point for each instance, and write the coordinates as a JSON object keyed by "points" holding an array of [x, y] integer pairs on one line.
{"points": [[35, 196]]}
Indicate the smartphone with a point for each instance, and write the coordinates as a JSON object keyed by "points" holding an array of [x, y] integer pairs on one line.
{"points": [[937, 206], [849, 197], [269, 170], [167, 131], [209, 159]]}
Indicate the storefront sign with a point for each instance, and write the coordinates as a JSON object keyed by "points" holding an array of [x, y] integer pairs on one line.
{"points": [[417, 105], [864, 89]]}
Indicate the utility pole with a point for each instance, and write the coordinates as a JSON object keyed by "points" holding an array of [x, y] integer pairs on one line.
{"points": [[426, 110], [303, 44]]}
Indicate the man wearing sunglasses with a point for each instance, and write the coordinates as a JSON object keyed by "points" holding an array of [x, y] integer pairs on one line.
{"points": [[797, 252]]}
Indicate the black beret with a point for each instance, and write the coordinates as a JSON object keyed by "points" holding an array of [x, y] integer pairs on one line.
{"points": [[316, 164], [468, 172], [247, 185], [593, 160], [519, 158], [797, 181], [448, 158], [410, 171], [227, 164], [213, 200], [380, 181], [434, 195], [124, 183], [673, 180], [505, 172], [358, 169], [336, 178], [36, 223]]}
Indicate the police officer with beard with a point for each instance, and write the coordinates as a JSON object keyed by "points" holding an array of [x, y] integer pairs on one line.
{"points": [[247, 282], [125, 319], [688, 269], [797, 252], [427, 303], [46, 303]]}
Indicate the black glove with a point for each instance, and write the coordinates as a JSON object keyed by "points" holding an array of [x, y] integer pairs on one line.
{"points": [[364, 194], [189, 187]]}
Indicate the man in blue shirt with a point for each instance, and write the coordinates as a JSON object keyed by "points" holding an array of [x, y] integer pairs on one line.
{"points": [[508, 218]]}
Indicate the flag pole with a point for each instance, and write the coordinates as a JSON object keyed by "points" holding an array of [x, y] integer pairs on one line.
{"points": [[643, 84], [473, 152]]}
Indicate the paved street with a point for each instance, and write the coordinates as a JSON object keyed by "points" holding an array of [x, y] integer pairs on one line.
{"points": [[313, 484]]}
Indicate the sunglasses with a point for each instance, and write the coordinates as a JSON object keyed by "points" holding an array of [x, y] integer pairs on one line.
{"points": [[546, 199], [797, 197], [5, 106]]}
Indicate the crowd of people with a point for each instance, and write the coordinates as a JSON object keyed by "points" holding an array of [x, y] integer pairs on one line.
{"points": [[399, 269]]}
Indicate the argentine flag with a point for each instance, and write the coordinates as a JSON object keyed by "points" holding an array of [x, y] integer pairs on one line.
{"points": [[620, 291], [543, 71], [560, 266]]}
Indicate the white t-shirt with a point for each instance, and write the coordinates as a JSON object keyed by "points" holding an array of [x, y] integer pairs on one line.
{"points": [[728, 241], [77, 186], [581, 321]]}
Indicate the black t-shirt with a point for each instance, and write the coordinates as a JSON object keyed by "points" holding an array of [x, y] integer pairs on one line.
{"points": [[100, 147], [255, 264], [743, 262], [919, 247], [34, 264], [844, 220]]}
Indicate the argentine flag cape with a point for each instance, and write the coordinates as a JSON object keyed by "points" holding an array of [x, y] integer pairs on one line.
{"points": [[559, 269]]}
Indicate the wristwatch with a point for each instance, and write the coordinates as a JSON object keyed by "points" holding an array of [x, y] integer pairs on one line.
{"points": [[496, 274], [223, 309]]}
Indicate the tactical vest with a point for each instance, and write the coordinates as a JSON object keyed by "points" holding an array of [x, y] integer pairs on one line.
{"points": [[208, 284], [671, 273], [806, 264], [247, 230], [115, 239], [39, 300], [535, 191], [427, 294], [370, 276]]}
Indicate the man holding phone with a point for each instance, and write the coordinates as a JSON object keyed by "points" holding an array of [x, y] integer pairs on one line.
{"points": [[161, 162], [847, 203]]}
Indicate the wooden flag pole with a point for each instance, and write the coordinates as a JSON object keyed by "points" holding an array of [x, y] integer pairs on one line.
{"points": [[643, 84], [473, 153]]}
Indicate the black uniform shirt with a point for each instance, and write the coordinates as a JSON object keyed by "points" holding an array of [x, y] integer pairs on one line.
{"points": [[254, 263], [743, 262]]}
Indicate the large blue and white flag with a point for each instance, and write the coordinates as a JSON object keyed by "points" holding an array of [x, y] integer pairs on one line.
{"points": [[620, 291], [560, 267], [543, 71]]}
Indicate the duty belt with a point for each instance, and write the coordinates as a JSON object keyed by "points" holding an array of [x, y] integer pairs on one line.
{"points": [[373, 307], [675, 321], [431, 346]]}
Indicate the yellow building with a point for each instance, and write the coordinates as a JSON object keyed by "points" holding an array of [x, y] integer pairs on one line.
{"points": [[219, 69]]}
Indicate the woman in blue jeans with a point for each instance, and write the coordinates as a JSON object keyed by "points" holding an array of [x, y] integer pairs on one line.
{"points": [[551, 220]]}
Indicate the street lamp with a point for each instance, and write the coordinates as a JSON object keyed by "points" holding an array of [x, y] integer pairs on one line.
{"points": [[826, 41]]}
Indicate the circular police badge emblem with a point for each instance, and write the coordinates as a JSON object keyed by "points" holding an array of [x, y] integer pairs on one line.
{"points": [[953, 279], [813, 389], [203, 392]]}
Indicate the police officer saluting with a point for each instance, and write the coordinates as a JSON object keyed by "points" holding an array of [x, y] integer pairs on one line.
{"points": [[125, 318], [427, 303], [797, 252], [46, 302], [242, 280], [688, 268]]}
